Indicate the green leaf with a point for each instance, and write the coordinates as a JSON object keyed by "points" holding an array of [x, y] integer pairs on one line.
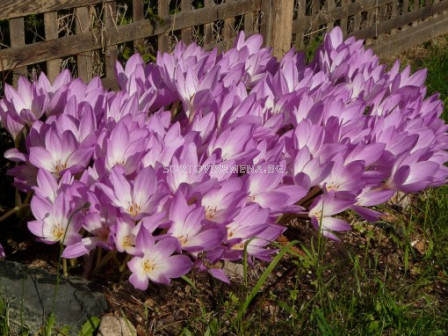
{"points": [[186, 332], [90, 326], [263, 278], [51, 322]]}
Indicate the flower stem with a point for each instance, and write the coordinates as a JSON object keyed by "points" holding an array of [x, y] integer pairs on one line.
{"points": [[64, 267], [12, 211], [103, 261], [124, 264]]}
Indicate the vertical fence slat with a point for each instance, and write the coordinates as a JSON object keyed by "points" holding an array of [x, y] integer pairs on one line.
{"points": [[208, 28], [416, 4], [382, 16], [84, 60], [277, 25], [331, 4], [405, 7], [344, 20], [249, 26], [228, 30], [52, 32], [17, 36], [357, 21], [187, 33], [315, 11], [435, 2], [301, 8], [111, 52], [394, 14], [372, 21], [138, 15], [163, 8]]}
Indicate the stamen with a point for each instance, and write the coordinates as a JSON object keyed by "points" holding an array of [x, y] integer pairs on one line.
{"points": [[134, 209], [128, 241], [210, 212], [57, 232], [59, 166], [148, 266]]}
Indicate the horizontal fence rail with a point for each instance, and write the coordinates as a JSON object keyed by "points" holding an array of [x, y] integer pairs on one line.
{"points": [[88, 36]]}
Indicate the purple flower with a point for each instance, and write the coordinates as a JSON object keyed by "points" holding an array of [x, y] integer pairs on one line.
{"points": [[265, 188], [322, 210], [136, 199], [190, 227], [57, 222], [61, 152], [165, 163], [223, 200], [22, 107], [156, 261]]}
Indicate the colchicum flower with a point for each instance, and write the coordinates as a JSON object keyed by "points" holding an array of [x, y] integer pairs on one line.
{"points": [[199, 154]]}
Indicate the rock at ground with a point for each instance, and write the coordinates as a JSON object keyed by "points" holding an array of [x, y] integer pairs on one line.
{"points": [[113, 326], [233, 270], [29, 296]]}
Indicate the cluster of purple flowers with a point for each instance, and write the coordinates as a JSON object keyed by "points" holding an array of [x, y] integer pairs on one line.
{"points": [[347, 132]]}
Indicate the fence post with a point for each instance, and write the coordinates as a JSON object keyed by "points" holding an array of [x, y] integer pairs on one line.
{"points": [[17, 35], [52, 32], [276, 24]]}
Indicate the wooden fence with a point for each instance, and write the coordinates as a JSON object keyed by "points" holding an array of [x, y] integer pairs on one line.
{"points": [[89, 35]]}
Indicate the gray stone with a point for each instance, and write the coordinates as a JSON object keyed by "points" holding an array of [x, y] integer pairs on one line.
{"points": [[234, 270], [113, 326], [29, 294]]}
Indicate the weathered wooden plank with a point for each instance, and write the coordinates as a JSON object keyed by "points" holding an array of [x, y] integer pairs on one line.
{"points": [[186, 33], [163, 10], [298, 26], [110, 83], [386, 26], [412, 36], [405, 7], [84, 60], [228, 30], [331, 4], [73, 45], [265, 24], [19, 8], [394, 14], [416, 4], [138, 15], [52, 32], [344, 16], [436, 1], [208, 27], [249, 22], [315, 12], [357, 21], [17, 37], [110, 49], [277, 28]]}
